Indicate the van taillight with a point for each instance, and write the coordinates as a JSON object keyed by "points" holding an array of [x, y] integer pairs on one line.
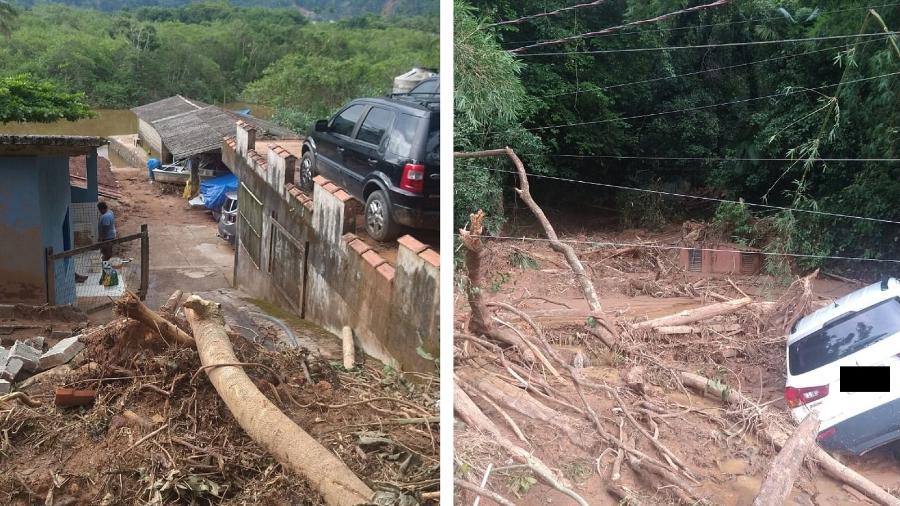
{"points": [[413, 178], [800, 396]]}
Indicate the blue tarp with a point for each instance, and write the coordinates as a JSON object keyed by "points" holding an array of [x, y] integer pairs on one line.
{"points": [[214, 190]]}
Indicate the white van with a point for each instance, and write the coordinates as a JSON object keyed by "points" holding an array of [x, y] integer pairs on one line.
{"points": [[859, 329]]}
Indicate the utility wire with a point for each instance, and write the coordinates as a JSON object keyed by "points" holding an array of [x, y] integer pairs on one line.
{"points": [[545, 14], [672, 247], [701, 107], [707, 46], [716, 69], [698, 197], [717, 3], [717, 159], [708, 25]]}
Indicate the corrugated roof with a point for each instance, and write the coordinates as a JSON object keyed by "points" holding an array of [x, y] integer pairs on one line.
{"points": [[202, 130], [167, 107]]}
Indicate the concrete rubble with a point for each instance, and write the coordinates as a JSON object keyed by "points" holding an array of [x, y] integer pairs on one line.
{"points": [[26, 356], [64, 351]]}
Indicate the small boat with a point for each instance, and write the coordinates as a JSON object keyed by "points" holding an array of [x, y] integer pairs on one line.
{"points": [[179, 174]]}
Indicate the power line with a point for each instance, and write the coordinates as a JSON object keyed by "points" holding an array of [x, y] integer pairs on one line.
{"points": [[698, 197], [707, 46], [545, 14], [716, 69], [717, 3], [673, 247], [701, 107], [717, 159], [708, 25]]}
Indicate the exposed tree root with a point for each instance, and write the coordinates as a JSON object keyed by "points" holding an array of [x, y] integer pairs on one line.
{"points": [[130, 305]]}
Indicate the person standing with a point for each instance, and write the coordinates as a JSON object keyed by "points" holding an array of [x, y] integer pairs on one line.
{"points": [[106, 229]]}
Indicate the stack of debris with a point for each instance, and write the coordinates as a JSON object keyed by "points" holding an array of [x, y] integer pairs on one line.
{"points": [[28, 357]]}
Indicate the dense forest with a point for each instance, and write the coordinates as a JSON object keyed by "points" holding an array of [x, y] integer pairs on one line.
{"points": [[706, 117], [216, 53], [318, 9]]}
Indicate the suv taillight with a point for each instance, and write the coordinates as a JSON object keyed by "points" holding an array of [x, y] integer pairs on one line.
{"points": [[413, 178], [800, 396]]}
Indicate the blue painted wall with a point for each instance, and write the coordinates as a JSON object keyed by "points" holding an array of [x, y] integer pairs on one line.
{"points": [[21, 239], [56, 194], [88, 194], [34, 215]]}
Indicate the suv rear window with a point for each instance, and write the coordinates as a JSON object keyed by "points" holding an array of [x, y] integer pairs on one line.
{"points": [[844, 337], [403, 135]]}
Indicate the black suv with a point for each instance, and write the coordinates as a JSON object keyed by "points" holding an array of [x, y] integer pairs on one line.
{"points": [[384, 152]]}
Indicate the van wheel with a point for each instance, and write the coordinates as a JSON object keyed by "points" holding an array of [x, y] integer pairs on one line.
{"points": [[379, 223], [307, 171]]}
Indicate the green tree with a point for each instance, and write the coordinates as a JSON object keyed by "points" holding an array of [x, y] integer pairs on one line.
{"points": [[23, 98], [8, 14]]}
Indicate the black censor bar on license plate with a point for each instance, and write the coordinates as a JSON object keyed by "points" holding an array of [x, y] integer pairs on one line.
{"points": [[868, 378]]}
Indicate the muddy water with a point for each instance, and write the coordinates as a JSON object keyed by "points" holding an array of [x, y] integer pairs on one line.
{"points": [[108, 122]]}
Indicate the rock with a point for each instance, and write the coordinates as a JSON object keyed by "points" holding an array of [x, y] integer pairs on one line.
{"points": [[29, 356], [11, 369], [63, 352], [36, 342], [4, 354], [634, 379]]}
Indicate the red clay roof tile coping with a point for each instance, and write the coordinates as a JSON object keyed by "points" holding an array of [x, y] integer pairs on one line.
{"points": [[320, 180], [348, 237], [431, 256], [342, 195], [387, 271], [308, 204], [373, 258], [359, 246], [412, 243], [331, 187]]}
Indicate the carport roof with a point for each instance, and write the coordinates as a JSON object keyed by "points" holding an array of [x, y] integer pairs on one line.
{"points": [[167, 107]]}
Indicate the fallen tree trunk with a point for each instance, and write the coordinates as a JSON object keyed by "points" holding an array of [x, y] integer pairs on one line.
{"points": [[831, 466], [261, 420], [130, 306], [781, 475], [695, 315]]}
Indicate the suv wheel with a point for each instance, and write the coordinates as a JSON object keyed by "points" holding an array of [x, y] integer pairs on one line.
{"points": [[379, 223], [307, 171]]}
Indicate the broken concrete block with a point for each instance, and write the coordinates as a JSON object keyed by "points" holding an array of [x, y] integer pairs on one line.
{"points": [[5, 386], [29, 356], [69, 397], [36, 342], [63, 352], [4, 354], [11, 369]]}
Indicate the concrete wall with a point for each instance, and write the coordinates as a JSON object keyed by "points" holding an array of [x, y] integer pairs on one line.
{"points": [[731, 261], [150, 137], [312, 263]]}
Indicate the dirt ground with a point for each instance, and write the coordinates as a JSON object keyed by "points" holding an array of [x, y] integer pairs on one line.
{"points": [[719, 446]]}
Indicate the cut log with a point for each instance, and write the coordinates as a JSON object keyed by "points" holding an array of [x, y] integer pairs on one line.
{"points": [[349, 352], [696, 314], [262, 420], [778, 438], [129, 305], [779, 480], [171, 305]]}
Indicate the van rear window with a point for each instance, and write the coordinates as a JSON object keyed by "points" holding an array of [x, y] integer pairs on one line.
{"points": [[845, 336]]}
